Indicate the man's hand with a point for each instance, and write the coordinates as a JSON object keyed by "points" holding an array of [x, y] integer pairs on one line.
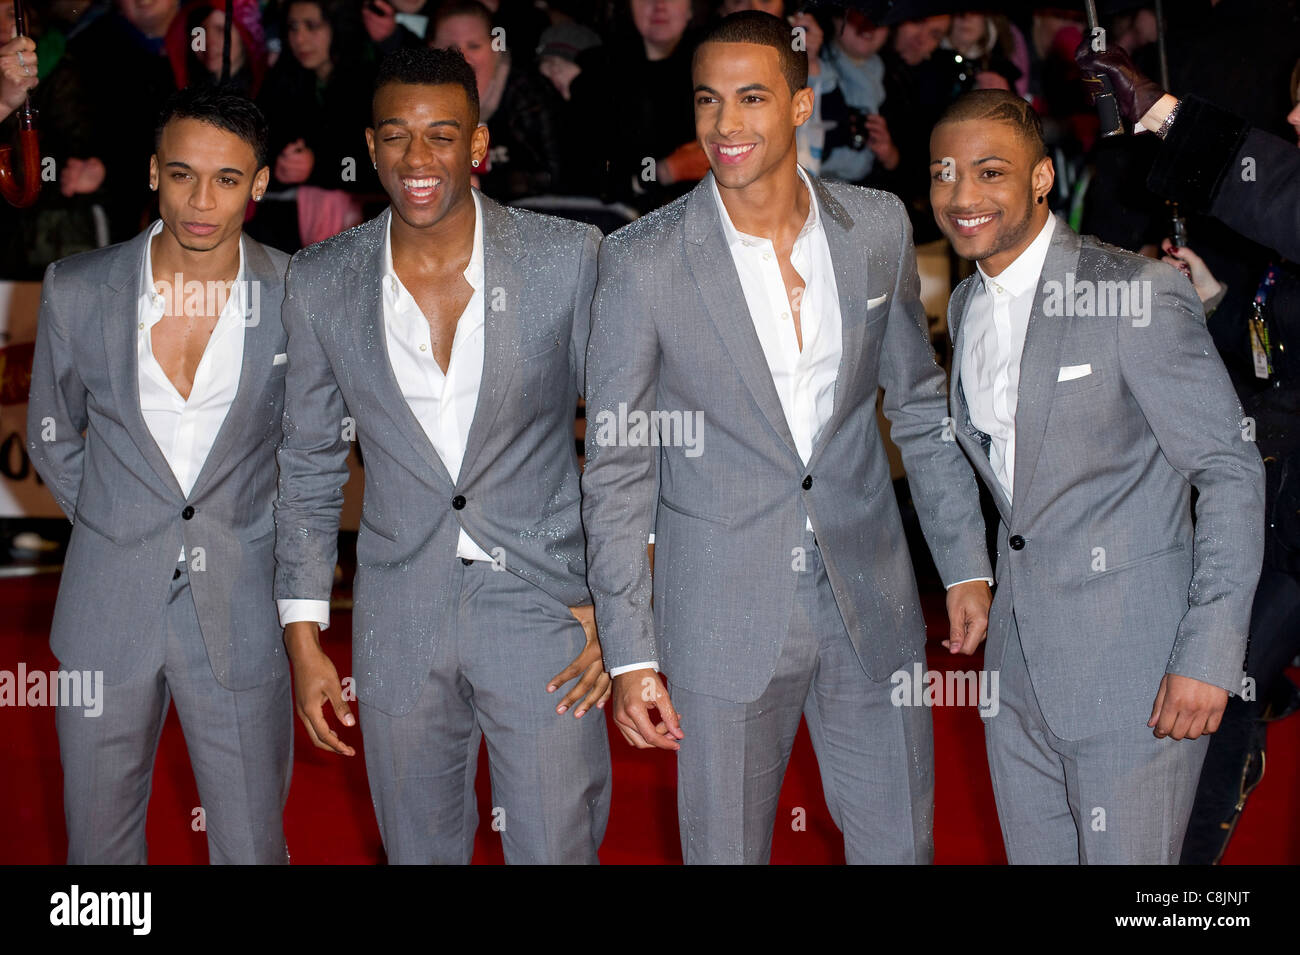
{"points": [[316, 682], [636, 692], [594, 683], [968, 616], [1185, 708]]}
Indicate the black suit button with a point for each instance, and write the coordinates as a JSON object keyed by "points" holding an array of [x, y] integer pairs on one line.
{"points": [[1017, 542], [188, 512], [176, 574], [807, 482], [458, 501], [467, 561]]}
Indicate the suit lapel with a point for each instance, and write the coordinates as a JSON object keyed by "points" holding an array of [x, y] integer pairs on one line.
{"points": [[714, 271], [503, 251], [121, 311], [261, 335], [969, 436], [849, 256], [367, 302], [1041, 360]]}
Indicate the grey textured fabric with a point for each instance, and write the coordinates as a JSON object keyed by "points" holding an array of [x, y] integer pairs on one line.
{"points": [[240, 744], [671, 333], [1121, 797], [876, 758], [502, 639], [1104, 584], [88, 440], [1113, 586], [518, 486], [437, 663]]}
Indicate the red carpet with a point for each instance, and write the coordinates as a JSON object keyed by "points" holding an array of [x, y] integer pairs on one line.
{"points": [[330, 820]]}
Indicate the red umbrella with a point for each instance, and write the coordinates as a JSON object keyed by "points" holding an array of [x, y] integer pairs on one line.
{"points": [[22, 189]]}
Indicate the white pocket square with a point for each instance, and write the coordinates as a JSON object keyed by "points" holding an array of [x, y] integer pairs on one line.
{"points": [[280, 358], [873, 302], [1071, 372]]}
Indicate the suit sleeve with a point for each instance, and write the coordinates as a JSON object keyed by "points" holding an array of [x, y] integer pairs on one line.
{"points": [[583, 295], [312, 458], [916, 404], [56, 410], [1213, 161], [620, 483], [1173, 371]]}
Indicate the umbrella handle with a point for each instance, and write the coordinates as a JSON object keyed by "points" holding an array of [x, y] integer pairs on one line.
{"points": [[1108, 110], [20, 181]]}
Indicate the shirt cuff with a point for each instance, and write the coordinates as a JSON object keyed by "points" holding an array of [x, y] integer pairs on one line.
{"points": [[987, 580], [648, 665], [297, 611]]}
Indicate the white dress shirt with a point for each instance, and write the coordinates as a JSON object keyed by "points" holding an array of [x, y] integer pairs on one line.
{"points": [[804, 378], [442, 402], [997, 317], [185, 429]]}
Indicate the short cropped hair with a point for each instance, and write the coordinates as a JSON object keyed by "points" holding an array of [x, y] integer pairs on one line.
{"points": [[429, 66], [1000, 106], [755, 26], [223, 106]]}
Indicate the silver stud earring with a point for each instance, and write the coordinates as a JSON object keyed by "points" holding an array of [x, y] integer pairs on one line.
{"points": [[474, 163]]}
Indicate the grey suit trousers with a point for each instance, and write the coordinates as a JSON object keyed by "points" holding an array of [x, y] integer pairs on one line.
{"points": [[240, 745], [550, 772], [1121, 797], [876, 759]]}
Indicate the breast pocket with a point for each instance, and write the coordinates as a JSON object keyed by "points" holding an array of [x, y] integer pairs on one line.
{"points": [[1077, 383]]}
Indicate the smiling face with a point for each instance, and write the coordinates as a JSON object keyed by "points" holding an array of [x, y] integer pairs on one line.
{"points": [[745, 116], [984, 182], [204, 176], [424, 141]]}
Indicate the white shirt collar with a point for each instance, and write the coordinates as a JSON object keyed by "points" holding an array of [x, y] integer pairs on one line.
{"points": [[150, 298], [737, 238], [1022, 274], [473, 271]]}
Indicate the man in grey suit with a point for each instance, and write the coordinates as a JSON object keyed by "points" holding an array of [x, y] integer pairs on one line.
{"points": [[1089, 396], [156, 397], [448, 334], [739, 336]]}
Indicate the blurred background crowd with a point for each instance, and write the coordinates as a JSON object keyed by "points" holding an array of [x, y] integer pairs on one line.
{"points": [[588, 101]]}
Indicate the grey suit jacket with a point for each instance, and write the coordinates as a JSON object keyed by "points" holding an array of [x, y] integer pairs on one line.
{"points": [[518, 488], [671, 332], [88, 440], [1113, 586]]}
